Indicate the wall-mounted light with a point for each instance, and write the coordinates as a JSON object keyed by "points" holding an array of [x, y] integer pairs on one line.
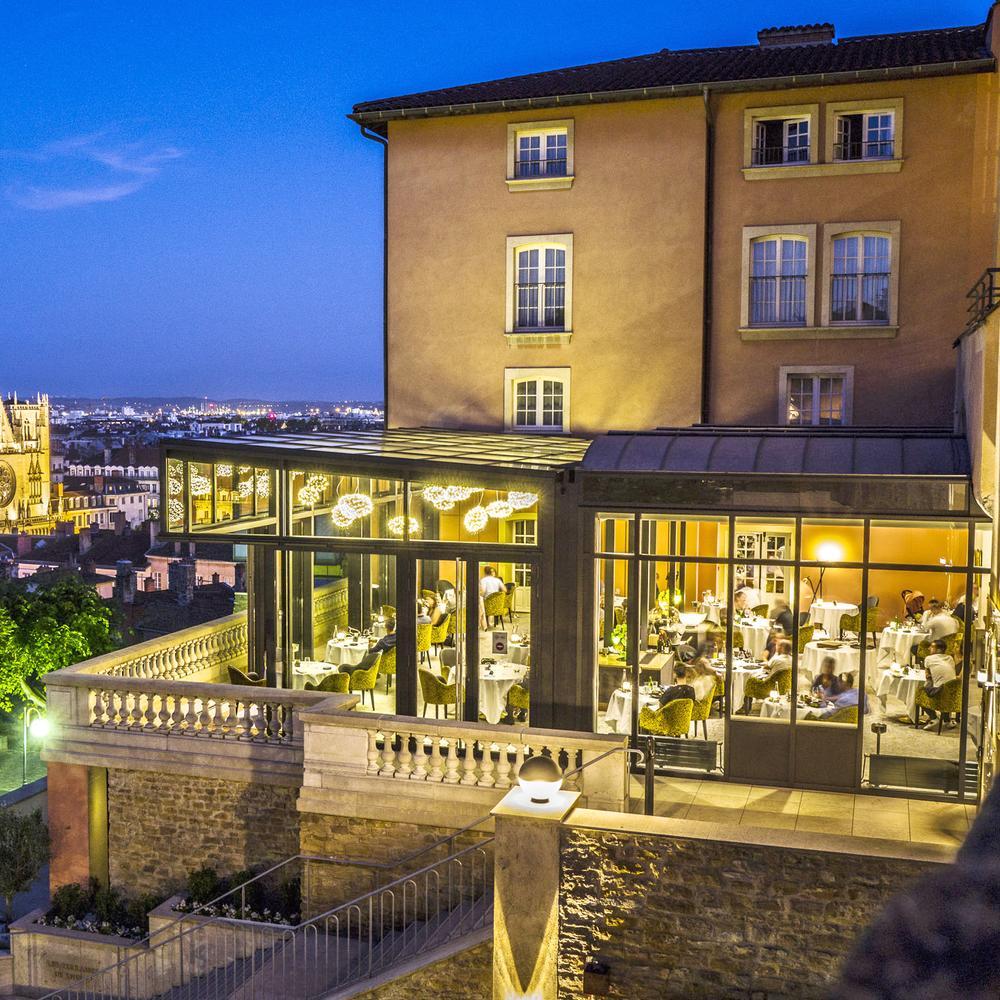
{"points": [[540, 778], [829, 552]]}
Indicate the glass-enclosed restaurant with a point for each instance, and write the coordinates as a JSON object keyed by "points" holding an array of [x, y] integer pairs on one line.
{"points": [[779, 607]]}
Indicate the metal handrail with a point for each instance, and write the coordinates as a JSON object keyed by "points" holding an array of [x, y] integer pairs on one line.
{"points": [[779, 156], [864, 149], [984, 298], [553, 166]]}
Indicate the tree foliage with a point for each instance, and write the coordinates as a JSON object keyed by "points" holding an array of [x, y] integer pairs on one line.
{"points": [[24, 849], [46, 623]]}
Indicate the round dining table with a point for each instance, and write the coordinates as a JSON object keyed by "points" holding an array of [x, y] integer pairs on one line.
{"points": [[495, 680], [902, 686], [311, 670], [827, 614], [896, 643], [619, 711], [346, 652], [755, 632], [848, 659]]}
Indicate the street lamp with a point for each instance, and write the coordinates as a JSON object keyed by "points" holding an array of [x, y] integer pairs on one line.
{"points": [[540, 778], [34, 724]]}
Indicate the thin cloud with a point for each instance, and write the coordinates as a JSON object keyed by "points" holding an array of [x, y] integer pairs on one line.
{"points": [[129, 168]]}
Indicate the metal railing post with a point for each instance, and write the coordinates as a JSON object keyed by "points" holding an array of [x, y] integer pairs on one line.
{"points": [[649, 784]]}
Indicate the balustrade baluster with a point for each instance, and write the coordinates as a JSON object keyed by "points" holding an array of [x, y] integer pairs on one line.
{"points": [[97, 711], [149, 715], [419, 759], [241, 722], [503, 766], [486, 776], [176, 723], [405, 758], [373, 752], [469, 763], [573, 782], [518, 758], [135, 716], [451, 774], [388, 755], [437, 761]]}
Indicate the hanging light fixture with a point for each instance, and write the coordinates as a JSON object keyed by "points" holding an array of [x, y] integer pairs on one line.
{"points": [[311, 491], [475, 520], [175, 511], [342, 517], [396, 525], [359, 504], [521, 499], [263, 485], [438, 497], [224, 469], [200, 485], [499, 509]]}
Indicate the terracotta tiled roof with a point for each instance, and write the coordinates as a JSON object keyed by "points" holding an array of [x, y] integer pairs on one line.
{"points": [[691, 68]]}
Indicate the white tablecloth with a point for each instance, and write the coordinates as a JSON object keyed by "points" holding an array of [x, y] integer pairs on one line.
{"points": [[516, 652], [755, 635], [312, 671], [740, 675], [619, 713], [828, 614], [894, 644], [902, 688], [346, 652], [848, 659], [712, 611], [494, 683], [775, 709]]}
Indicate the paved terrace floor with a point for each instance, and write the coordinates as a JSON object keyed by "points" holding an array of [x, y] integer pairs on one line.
{"points": [[880, 816]]}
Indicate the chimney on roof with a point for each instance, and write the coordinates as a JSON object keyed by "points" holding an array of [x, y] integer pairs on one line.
{"points": [[23, 545], [118, 522], [154, 532], [124, 589], [181, 576], [149, 585], [796, 34], [85, 540]]}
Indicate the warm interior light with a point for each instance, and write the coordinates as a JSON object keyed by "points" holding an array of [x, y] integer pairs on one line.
{"points": [[396, 524], [475, 520], [829, 552]]}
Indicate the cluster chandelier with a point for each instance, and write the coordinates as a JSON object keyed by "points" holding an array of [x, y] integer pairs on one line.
{"points": [[397, 524]]}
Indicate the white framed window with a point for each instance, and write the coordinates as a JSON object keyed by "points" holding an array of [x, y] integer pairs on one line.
{"points": [[540, 155], [816, 396], [777, 290], [540, 288], [778, 272], [780, 136], [523, 531], [536, 400], [864, 131], [860, 282]]}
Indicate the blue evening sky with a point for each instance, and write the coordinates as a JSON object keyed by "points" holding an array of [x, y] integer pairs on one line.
{"points": [[184, 207]]}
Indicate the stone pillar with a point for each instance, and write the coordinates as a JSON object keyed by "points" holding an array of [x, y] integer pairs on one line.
{"points": [[69, 823], [526, 896]]}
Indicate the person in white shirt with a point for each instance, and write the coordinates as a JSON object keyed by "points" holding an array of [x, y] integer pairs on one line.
{"points": [[937, 621], [940, 667], [490, 582]]}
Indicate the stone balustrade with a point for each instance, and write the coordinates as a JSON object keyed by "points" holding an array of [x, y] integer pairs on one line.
{"points": [[199, 650], [385, 757]]}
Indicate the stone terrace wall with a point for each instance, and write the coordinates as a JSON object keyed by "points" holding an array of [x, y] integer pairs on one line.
{"points": [[679, 918], [356, 838], [162, 826], [465, 976]]}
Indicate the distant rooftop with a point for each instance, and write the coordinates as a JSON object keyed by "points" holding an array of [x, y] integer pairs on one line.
{"points": [[407, 446], [848, 451], [799, 54]]}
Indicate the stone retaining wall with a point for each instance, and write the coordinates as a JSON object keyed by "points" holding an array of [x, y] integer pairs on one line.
{"points": [[703, 918], [353, 838], [162, 826], [465, 976]]}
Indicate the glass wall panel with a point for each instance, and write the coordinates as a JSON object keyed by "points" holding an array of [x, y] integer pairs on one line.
{"points": [[763, 628], [442, 667], [342, 621], [613, 677], [614, 533], [465, 513], [921, 667], [757, 542], [221, 496], [663, 534], [326, 504], [916, 543]]}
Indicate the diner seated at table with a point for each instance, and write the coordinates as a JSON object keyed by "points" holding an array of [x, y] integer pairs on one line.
{"points": [[490, 583], [940, 668], [913, 603], [388, 641], [446, 592], [959, 612], [827, 685], [679, 689], [782, 660], [939, 622], [849, 698], [423, 613], [741, 602], [782, 615]]}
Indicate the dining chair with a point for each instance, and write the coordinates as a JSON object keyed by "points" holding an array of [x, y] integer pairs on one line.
{"points": [[511, 589], [423, 639], [518, 701], [244, 679], [848, 715], [672, 719], [439, 633], [435, 692], [387, 666], [762, 610], [805, 635], [701, 710], [333, 683], [945, 702], [495, 607], [364, 676]]}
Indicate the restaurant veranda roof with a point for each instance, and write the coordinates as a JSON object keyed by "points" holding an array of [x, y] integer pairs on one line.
{"points": [[411, 446]]}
